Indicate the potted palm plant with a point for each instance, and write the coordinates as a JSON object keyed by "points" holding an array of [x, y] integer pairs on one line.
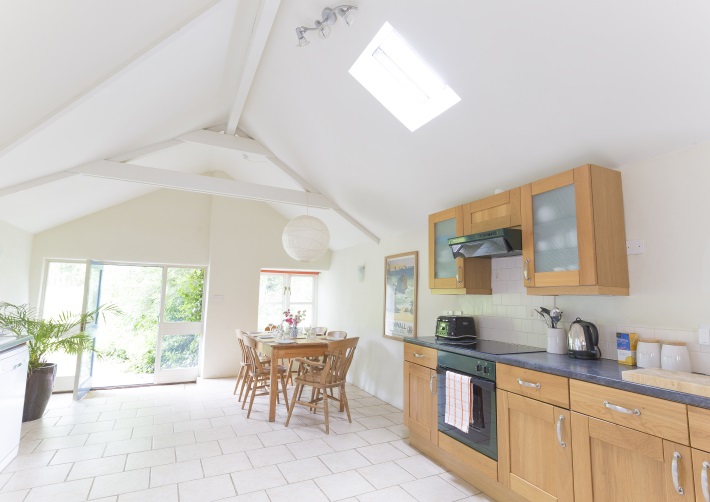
{"points": [[64, 333]]}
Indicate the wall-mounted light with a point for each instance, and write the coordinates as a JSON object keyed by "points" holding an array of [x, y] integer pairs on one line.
{"points": [[329, 16], [361, 273]]}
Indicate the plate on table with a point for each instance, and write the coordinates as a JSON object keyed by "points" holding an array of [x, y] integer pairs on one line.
{"points": [[286, 341]]}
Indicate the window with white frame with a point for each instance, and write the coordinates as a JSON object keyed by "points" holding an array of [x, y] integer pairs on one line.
{"points": [[282, 290]]}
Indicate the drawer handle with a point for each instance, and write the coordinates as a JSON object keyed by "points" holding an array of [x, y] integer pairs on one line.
{"points": [[559, 431], [18, 365], [431, 384], [704, 481], [525, 270], [419, 356], [528, 384], [621, 409], [674, 472], [458, 277]]}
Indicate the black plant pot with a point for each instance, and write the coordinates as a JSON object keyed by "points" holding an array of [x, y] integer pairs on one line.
{"points": [[38, 391]]}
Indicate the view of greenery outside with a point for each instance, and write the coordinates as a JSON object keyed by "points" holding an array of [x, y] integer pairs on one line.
{"points": [[281, 291]]}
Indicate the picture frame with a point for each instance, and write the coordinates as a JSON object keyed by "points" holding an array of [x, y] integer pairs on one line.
{"points": [[400, 302]]}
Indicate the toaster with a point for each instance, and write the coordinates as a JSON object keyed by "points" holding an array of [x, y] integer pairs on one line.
{"points": [[455, 327]]}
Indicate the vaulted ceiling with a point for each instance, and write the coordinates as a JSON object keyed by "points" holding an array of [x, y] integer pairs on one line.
{"points": [[544, 86]]}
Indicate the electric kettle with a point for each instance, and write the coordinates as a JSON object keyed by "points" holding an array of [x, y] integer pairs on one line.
{"points": [[583, 340]]}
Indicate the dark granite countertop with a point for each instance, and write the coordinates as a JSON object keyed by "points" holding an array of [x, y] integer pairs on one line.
{"points": [[8, 342], [602, 371]]}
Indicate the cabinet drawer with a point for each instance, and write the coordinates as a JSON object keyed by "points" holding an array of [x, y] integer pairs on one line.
{"points": [[654, 416], [699, 422], [423, 356], [544, 387]]}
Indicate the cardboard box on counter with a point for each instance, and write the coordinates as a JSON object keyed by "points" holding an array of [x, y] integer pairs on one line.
{"points": [[626, 344]]}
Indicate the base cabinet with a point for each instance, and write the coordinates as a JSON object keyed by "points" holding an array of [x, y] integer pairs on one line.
{"points": [[420, 413], [534, 448], [613, 463]]}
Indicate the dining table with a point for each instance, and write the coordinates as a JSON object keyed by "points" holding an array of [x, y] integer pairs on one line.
{"points": [[288, 348]]}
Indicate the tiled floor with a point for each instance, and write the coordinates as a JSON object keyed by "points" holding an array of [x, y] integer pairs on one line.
{"points": [[194, 443]]}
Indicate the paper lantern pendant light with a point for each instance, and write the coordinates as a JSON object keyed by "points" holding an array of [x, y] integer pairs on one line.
{"points": [[305, 238]]}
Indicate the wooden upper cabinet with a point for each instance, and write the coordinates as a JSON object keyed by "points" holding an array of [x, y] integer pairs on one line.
{"points": [[449, 275], [501, 210], [574, 240]]}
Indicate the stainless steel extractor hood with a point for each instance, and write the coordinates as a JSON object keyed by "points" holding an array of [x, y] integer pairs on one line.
{"points": [[493, 244]]}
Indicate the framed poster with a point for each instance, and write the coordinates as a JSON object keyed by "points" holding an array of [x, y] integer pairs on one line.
{"points": [[401, 295]]}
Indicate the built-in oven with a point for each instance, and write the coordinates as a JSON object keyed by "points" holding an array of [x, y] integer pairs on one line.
{"points": [[482, 431]]}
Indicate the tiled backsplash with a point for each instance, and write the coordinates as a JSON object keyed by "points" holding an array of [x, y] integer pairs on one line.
{"points": [[508, 316]]}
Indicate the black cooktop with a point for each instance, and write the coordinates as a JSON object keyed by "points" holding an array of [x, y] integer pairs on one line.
{"points": [[491, 346]]}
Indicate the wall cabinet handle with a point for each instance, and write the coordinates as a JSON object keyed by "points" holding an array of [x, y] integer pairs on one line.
{"points": [[674, 473], [704, 481], [458, 276], [621, 409], [418, 356], [526, 274], [528, 384], [431, 383], [559, 431]]}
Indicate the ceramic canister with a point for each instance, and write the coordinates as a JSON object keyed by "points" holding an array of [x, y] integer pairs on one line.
{"points": [[648, 353], [556, 341], [675, 357]]}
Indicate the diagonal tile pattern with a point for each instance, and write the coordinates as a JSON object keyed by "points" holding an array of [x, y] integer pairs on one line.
{"points": [[194, 442]]}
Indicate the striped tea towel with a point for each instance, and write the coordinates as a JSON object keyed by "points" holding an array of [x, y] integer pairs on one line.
{"points": [[458, 400]]}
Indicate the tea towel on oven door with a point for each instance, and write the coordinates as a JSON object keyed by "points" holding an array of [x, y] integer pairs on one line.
{"points": [[458, 400]]}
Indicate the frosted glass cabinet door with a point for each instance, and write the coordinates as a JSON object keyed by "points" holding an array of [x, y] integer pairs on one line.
{"points": [[555, 230], [444, 261], [445, 271]]}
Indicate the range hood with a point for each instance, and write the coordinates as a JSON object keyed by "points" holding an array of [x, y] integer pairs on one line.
{"points": [[492, 244]]}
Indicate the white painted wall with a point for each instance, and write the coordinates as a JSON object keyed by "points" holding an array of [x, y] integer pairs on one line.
{"points": [[245, 237], [15, 252], [665, 204]]}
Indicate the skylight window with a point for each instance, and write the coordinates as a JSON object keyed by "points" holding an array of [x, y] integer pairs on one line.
{"points": [[401, 80]]}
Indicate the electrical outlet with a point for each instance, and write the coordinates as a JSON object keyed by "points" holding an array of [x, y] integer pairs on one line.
{"points": [[635, 247], [704, 334]]}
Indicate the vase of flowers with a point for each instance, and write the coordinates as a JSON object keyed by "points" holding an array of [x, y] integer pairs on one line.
{"points": [[292, 320]]}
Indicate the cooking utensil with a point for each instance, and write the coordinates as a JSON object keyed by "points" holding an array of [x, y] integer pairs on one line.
{"points": [[555, 316], [545, 314]]}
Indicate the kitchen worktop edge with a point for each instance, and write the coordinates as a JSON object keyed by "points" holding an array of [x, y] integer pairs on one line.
{"points": [[10, 342], [602, 371]]}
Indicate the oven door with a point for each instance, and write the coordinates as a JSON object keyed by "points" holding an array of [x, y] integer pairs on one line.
{"points": [[482, 431]]}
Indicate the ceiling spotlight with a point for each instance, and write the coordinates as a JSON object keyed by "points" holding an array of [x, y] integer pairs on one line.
{"points": [[329, 16]]}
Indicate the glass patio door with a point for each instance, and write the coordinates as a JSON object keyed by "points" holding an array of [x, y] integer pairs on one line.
{"points": [[180, 326], [92, 301]]}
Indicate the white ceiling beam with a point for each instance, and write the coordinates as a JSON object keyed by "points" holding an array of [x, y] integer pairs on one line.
{"points": [[146, 150], [98, 85], [20, 187], [247, 146], [260, 34], [201, 184]]}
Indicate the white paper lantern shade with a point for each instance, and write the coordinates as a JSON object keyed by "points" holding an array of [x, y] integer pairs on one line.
{"points": [[305, 238]]}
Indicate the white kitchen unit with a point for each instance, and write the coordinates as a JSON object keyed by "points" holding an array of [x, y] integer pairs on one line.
{"points": [[13, 376]]}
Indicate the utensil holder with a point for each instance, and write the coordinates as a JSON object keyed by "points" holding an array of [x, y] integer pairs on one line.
{"points": [[648, 354], [556, 341]]}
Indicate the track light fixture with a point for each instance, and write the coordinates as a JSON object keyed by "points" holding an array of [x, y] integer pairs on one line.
{"points": [[330, 16]]}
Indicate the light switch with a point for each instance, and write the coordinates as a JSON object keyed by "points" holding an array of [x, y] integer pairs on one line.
{"points": [[704, 334]]}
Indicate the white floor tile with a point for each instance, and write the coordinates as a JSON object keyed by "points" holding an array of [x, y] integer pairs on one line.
{"points": [[375, 422], [311, 448], [305, 491], [301, 470], [152, 430], [127, 446], [29, 478], [78, 453], [197, 451], [420, 466], [459, 483], [156, 410], [17, 496], [403, 445], [122, 482], [88, 428], [225, 464], [379, 453], [251, 427], [167, 493], [214, 434], [175, 473], [342, 461], [169, 418], [270, 456], [376, 436], [97, 467], [343, 485], [254, 480], [392, 494], [78, 419], [345, 441], [150, 458], [193, 425], [385, 475], [206, 490], [61, 442], [243, 443], [30, 461], [48, 432], [259, 496], [71, 491], [175, 439], [433, 489], [108, 436]]}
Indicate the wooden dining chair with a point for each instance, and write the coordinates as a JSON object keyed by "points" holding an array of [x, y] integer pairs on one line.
{"points": [[319, 331], [329, 374], [244, 364], [259, 377]]}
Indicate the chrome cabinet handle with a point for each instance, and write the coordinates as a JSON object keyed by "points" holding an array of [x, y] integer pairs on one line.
{"points": [[528, 384], [559, 431], [419, 356], [621, 409], [674, 472], [458, 277], [18, 365], [525, 270], [431, 383], [704, 481]]}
